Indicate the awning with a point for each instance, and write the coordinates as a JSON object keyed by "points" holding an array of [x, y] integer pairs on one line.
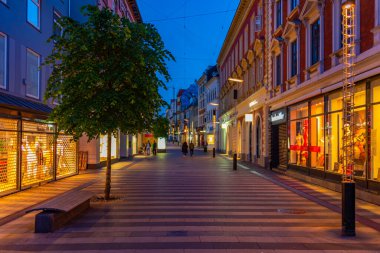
{"points": [[23, 104]]}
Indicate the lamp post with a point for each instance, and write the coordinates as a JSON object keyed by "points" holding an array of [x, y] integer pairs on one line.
{"points": [[237, 80], [348, 183]]}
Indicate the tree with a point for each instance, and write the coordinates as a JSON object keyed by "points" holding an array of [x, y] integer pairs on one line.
{"points": [[161, 127], [105, 77]]}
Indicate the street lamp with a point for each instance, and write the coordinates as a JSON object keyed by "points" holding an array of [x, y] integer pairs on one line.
{"points": [[348, 183]]}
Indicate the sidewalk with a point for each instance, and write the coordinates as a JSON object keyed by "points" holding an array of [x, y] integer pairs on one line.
{"points": [[14, 205], [366, 213], [173, 203]]}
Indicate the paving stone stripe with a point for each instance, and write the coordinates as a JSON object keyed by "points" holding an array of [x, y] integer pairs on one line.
{"points": [[171, 204]]}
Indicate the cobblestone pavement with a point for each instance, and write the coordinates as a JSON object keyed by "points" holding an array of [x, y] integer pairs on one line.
{"points": [[172, 203]]}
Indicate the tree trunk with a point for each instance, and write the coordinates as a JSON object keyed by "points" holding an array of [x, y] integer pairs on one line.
{"points": [[107, 190]]}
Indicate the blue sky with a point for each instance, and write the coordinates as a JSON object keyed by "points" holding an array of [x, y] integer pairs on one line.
{"points": [[193, 31]]}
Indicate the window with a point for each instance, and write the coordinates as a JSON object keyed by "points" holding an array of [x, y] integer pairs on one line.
{"points": [[3, 60], [293, 4], [33, 74], [293, 58], [252, 29], [314, 50], [57, 28], [246, 39], [278, 13], [299, 132], [278, 69], [337, 21], [33, 15]]}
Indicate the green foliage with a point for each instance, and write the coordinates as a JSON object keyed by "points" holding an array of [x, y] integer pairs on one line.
{"points": [[161, 127], [105, 75]]}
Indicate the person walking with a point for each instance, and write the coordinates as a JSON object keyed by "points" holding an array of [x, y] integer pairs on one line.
{"points": [[184, 148], [148, 148], [154, 147], [191, 147]]}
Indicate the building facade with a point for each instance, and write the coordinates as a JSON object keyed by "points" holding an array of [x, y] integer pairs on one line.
{"points": [[31, 150], [305, 98], [281, 62], [242, 66], [208, 107]]}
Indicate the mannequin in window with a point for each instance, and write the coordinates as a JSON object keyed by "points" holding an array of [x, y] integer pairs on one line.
{"points": [[299, 143]]}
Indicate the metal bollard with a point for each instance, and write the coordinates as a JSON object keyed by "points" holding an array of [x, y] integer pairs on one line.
{"points": [[234, 163], [213, 152], [348, 209]]}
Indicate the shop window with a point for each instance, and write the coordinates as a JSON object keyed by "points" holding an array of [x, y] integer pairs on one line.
{"points": [[317, 106], [3, 60], [66, 156], [33, 16], [375, 141], [8, 155], [299, 111], [375, 91], [335, 101], [316, 148], [334, 134], [37, 152], [360, 142], [299, 135], [360, 95]]}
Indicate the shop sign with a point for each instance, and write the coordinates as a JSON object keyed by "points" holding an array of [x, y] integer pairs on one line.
{"points": [[253, 103], [248, 118], [149, 135], [161, 143], [278, 117]]}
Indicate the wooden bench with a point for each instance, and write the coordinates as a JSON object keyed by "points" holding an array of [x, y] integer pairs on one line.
{"points": [[60, 210]]}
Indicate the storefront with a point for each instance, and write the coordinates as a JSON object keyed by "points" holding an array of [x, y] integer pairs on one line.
{"points": [[279, 139], [315, 133], [32, 152]]}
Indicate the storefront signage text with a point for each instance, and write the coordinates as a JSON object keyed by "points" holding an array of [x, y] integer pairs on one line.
{"points": [[278, 117], [253, 103]]}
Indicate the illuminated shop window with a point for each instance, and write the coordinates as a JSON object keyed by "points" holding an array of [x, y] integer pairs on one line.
{"points": [[37, 151], [375, 131], [299, 135], [317, 135], [66, 156], [8, 155], [334, 133]]}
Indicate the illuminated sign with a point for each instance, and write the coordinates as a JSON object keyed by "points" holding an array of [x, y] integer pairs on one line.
{"points": [[278, 117], [248, 118], [253, 103], [161, 143]]}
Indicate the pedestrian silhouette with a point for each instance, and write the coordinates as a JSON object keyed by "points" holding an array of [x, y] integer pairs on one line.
{"points": [[191, 147], [184, 148]]}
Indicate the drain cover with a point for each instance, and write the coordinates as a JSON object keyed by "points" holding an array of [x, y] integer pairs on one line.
{"points": [[176, 233], [291, 211]]}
